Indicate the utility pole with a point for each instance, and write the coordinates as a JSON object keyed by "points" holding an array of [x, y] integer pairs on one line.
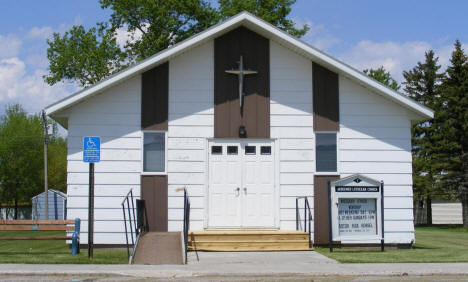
{"points": [[46, 199]]}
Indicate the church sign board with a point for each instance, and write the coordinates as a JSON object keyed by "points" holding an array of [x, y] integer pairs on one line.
{"points": [[357, 211]]}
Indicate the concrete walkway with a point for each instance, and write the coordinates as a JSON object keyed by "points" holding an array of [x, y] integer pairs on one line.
{"points": [[242, 265]]}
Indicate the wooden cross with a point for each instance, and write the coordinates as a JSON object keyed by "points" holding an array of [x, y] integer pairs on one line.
{"points": [[241, 72]]}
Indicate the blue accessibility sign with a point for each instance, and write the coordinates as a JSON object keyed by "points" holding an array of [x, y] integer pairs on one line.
{"points": [[91, 149]]}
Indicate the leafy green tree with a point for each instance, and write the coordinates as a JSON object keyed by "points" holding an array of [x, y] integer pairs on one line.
{"points": [[422, 83], [155, 25], [22, 157], [83, 56], [454, 128], [383, 76], [88, 56], [57, 162], [272, 11]]}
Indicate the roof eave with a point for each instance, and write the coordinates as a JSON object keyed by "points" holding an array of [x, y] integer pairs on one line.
{"points": [[319, 56], [146, 64]]}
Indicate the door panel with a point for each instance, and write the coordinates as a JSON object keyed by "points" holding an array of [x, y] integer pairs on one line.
{"points": [[258, 187], [242, 184], [224, 189], [154, 192]]}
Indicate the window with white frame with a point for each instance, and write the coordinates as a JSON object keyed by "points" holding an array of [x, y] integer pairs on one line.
{"points": [[154, 152], [325, 150]]}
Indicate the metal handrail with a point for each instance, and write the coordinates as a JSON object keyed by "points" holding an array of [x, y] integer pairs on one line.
{"points": [[186, 222], [129, 202], [307, 218]]}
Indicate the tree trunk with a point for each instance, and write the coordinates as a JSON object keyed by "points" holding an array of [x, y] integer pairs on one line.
{"points": [[429, 210]]}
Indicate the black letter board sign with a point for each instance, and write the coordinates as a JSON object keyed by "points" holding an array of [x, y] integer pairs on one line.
{"points": [[357, 188]]}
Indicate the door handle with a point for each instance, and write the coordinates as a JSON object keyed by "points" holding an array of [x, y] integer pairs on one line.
{"points": [[237, 191], [245, 190]]}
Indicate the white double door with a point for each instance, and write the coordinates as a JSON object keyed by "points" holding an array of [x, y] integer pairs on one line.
{"points": [[241, 184]]}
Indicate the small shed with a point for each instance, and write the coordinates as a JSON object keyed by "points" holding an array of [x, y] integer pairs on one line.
{"points": [[57, 205]]}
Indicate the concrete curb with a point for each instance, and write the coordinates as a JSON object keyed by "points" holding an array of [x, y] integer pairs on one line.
{"points": [[187, 271]]}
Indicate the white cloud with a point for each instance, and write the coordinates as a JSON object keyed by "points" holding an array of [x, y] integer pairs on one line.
{"points": [[9, 46], [37, 60], [28, 89], [22, 71], [39, 33], [122, 35], [396, 57], [318, 35]]}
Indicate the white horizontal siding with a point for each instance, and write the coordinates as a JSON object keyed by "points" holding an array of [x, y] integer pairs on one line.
{"points": [[122, 154], [366, 144], [114, 115], [447, 213], [296, 166], [375, 140], [102, 190], [191, 122], [194, 190], [292, 123], [76, 143]]}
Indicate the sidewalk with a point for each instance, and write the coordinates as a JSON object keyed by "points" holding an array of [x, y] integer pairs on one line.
{"points": [[242, 265]]}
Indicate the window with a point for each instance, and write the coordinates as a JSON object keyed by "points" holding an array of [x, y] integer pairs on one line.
{"points": [[154, 152], [232, 150], [325, 148], [265, 150], [250, 150], [216, 150]]}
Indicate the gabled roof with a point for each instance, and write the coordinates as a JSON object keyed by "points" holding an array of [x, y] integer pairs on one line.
{"points": [[263, 28], [61, 194]]}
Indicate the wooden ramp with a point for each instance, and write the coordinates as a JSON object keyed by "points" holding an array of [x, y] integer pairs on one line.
{"points": [[248, 240], [159, 248]]}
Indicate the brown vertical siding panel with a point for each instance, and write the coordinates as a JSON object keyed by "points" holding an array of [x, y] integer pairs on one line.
{"points": [[321, 214], [154, 192], [255, 50], [325, 96], [155, 98]]}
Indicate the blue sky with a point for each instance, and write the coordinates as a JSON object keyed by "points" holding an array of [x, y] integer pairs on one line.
{"points": [[362, 33]]}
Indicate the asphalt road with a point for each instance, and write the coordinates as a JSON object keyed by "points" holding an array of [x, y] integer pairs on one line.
{"points": [[296, 278]]}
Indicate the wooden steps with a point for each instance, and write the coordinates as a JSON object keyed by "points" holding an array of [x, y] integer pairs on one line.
{"points": [[248, 240]]}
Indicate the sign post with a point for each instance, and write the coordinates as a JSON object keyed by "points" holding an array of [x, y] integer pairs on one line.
{"points": [[91, 155], [382, 241]]}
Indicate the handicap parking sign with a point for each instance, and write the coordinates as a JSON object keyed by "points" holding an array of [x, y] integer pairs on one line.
{"points": [[91, 149]]}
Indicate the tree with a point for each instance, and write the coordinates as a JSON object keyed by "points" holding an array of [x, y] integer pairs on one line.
{"points": [[84, 56], [454, 128], [272, 11], [422, 83], [155, 25], [21, 157], [56, 159], [88, 56], [383, 76]]}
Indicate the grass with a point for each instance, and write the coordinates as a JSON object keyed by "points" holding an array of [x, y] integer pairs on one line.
{"points": [[433, 244], [51, 252]]}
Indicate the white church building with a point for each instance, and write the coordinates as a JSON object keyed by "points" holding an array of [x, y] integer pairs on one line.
{"points": [[248, 118]]}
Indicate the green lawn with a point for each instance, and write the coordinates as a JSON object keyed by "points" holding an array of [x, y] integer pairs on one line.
{"points": [[433, 244], [54, 251]]}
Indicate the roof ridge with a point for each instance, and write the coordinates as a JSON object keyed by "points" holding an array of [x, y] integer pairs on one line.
{"points": [[211, 32]]}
